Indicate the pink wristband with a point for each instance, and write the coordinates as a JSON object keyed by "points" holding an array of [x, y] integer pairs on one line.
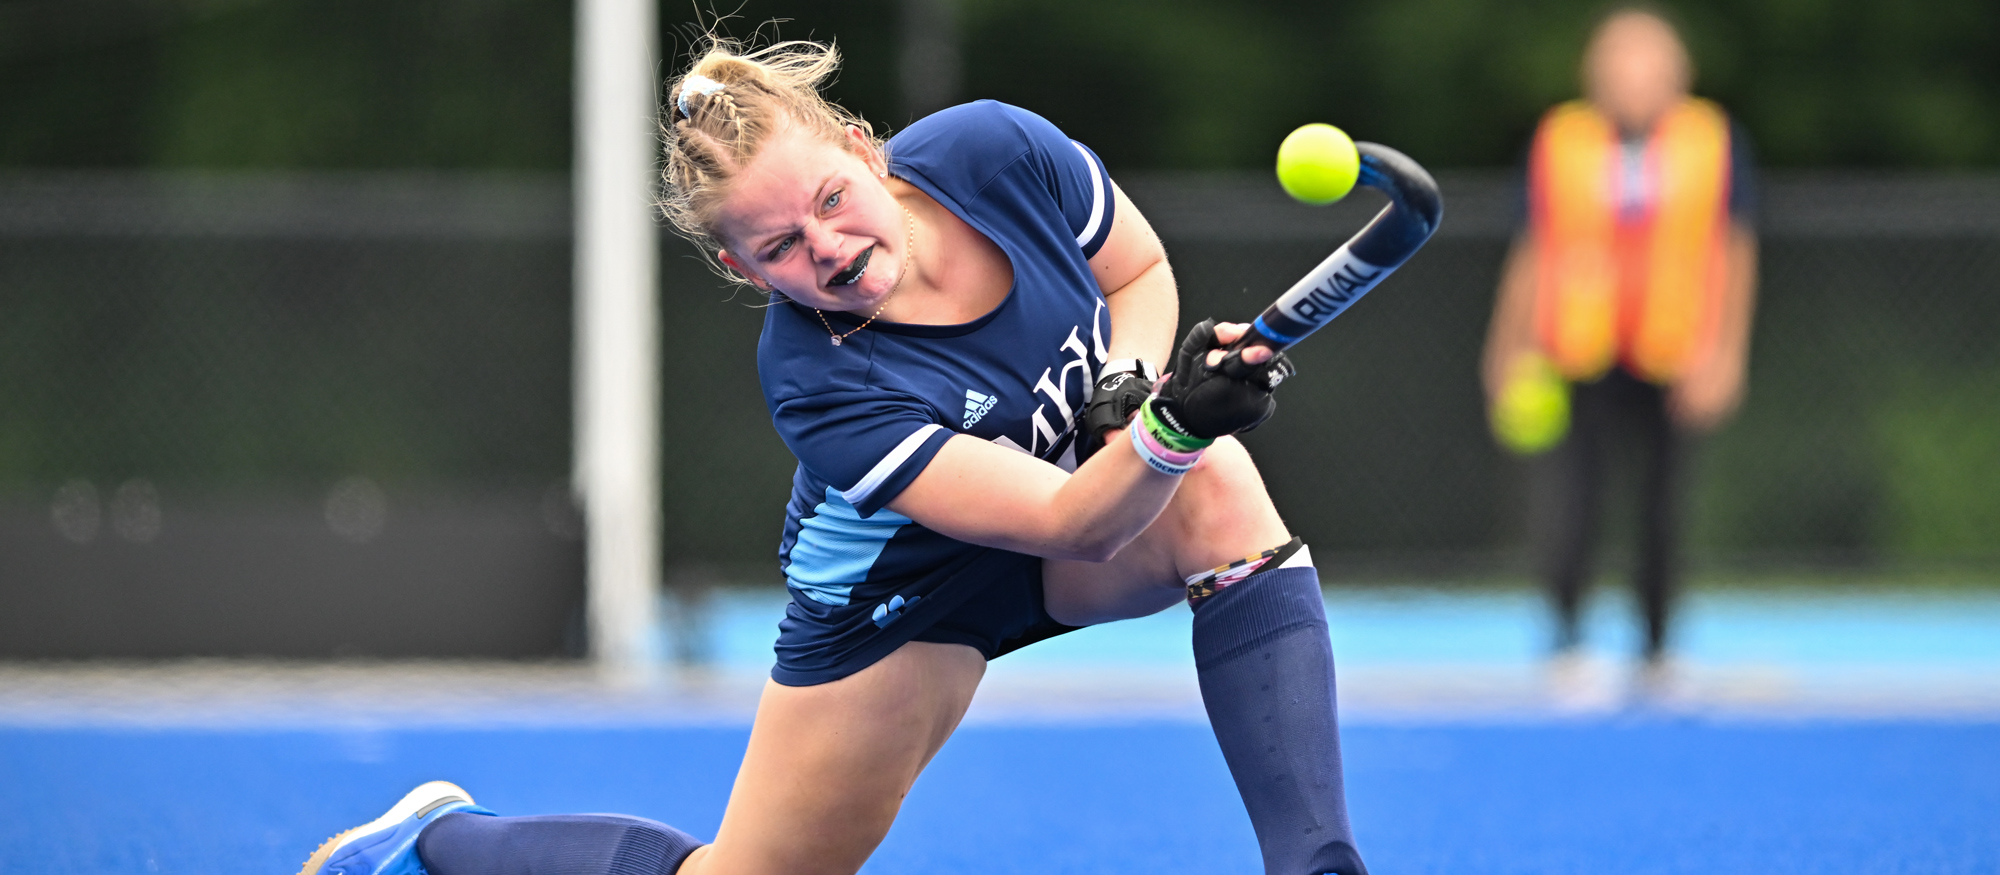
{"points": [[1157, 456]]}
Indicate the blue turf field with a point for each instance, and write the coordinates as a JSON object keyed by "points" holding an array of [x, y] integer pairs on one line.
{"points": [[1823, 731], [1645, 796]]}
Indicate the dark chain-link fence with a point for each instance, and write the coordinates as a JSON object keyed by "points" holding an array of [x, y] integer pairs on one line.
{"points": [[365, 347], [285, 416], [266, 333]]}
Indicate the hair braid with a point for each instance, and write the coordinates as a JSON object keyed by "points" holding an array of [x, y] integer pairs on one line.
{"points": [[735, 114], [742, 97]]}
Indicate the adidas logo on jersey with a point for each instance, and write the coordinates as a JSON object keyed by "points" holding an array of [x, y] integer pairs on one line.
{"points": [[977, 406]]}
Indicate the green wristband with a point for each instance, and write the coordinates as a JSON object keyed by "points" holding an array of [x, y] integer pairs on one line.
{"points": [[1166, 434]]}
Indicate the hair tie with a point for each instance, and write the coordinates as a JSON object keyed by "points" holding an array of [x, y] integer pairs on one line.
{"points": [[697, 84]]}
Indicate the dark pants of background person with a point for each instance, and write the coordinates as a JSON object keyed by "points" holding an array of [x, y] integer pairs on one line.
{"points": [[1617, 421]]}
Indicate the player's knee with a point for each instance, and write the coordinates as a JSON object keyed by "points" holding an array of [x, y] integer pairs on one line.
{"points": [[1224, 499], [1225, 480]]}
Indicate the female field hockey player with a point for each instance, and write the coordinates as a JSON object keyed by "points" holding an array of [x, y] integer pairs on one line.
{"points": [[959, 315]]}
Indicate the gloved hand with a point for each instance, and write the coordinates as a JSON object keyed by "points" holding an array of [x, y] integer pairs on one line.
{"points": [[1230, 397], [1116, 397]]}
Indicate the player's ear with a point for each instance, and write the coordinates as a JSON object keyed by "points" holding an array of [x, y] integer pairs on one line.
{"points": [[863, 147], [733, 264]]}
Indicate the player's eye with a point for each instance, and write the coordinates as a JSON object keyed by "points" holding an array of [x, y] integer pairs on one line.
{"points": [[783, 246], [832, 200]]}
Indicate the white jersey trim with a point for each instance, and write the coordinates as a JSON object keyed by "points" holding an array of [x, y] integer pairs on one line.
{"points": [[1096, 196], [880, 474]]}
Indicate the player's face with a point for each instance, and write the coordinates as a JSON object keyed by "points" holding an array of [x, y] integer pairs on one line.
{"points": [[813, 220]]}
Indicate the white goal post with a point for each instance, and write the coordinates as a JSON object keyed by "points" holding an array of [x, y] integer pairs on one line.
{"points": [[616, 469]]}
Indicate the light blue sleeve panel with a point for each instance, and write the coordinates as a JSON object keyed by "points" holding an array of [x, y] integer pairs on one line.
{"points": [[837, 548]]}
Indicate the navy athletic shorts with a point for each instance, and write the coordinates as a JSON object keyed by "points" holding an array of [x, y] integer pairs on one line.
{"points": [[993, 604]]}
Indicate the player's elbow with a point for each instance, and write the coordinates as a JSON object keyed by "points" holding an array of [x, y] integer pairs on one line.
{"points": [[1091, 546], [1097, 552], [1060, 545]]}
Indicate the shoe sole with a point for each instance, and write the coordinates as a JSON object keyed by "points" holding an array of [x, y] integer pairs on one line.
{"points": [[419, 802]]}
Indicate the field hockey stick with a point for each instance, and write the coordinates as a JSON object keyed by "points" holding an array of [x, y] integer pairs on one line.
{"points": [[1360, 264]]}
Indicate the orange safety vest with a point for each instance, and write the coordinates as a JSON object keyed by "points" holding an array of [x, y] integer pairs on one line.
{"points": [[1640, 290]]}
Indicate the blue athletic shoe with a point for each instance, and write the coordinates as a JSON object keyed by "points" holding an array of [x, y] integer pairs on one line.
{"points": [[387, 845]]}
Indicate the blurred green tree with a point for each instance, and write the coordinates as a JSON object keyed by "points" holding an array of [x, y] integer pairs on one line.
{"points": [[305, 84], [1161, 84]]}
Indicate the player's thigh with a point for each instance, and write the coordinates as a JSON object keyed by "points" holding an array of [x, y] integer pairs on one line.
{"points": [[1221, 513], [828, 765]]}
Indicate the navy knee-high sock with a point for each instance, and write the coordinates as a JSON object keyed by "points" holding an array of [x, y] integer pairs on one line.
{"points": [[558, 844], [1265, 663]]}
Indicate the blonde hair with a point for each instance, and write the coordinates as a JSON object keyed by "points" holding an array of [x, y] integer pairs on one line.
{"points": [[711, 132]]}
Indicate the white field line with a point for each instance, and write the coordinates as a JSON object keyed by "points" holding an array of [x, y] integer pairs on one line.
{"points": [[242, 694]]}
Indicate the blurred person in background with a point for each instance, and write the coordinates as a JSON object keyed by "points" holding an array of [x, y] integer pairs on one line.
{"points": [[1630, 290]]}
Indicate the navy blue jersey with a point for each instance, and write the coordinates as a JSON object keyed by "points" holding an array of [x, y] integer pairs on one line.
{"points": [[865, 417]]}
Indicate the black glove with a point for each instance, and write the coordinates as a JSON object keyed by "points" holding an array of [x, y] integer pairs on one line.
{"points": [[1112, 403], [1230, 398]]}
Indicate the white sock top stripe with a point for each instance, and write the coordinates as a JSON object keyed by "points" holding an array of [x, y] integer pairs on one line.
{"points": [[1301, 559]]}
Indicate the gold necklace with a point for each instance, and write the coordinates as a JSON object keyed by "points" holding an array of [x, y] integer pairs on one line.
{"points": [[909, 261]]}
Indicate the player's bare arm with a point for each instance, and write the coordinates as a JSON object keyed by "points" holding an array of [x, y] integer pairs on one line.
{"points": [[1138, 286], [1031, 506]]}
